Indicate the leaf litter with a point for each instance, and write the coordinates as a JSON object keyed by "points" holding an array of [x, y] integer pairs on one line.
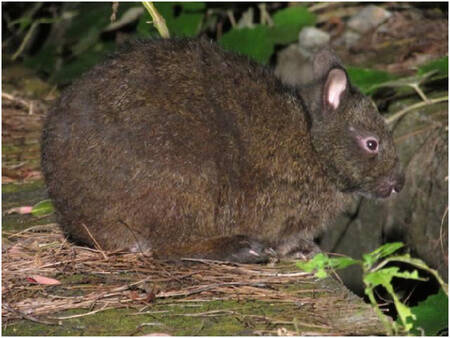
{"points": [[41, 257]]}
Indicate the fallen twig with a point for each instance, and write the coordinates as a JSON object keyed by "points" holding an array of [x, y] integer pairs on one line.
{"points": [[418, 105]]}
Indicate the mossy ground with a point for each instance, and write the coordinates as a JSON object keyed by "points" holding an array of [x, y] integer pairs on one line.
{"points": [[176, 316], [202, 315], [232, 318], [17, 195]]}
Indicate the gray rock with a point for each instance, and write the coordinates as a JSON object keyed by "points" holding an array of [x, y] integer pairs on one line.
{"points": [[293, 66], [293, 63], [368, 18], [349, 38], [311, 38]]}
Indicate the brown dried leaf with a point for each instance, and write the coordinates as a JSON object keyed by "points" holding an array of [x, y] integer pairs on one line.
{"points": [[43, 280], [20, 210]]}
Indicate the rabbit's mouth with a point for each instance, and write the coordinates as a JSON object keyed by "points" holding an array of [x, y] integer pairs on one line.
{"points": [[384, 188], [390, 185], [386, 191]]}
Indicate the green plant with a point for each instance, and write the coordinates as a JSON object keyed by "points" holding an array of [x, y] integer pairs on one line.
{"points": [[43, 208], [73, 37], [158, 20], [187, 23], [258, 42], [377, 273]]}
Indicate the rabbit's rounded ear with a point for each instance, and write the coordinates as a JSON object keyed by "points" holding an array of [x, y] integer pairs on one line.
{"points": [[334, 89]]}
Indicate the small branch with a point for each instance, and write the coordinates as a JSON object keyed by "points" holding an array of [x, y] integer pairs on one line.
{"points": [[18, 100], [158, 20], [415, 132], [230, 15], [320, 6], [419, 91], [212, 313], [28, 317], [25, 41], [35, 228], [242, 268], [99, 248], [147, 313], [402, 112], [115, 7], [380, 314], [29, 35], [441, 235], [83, 314], [265, 16], [278, 274]]}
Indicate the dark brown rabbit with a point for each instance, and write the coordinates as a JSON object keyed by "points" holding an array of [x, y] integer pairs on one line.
{"points": [[184, 149]]}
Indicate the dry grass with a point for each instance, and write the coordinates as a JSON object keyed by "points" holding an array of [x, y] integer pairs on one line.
{"points": [[97, 281]]}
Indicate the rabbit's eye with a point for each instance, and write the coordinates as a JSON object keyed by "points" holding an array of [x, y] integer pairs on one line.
{"points": [[372, 145]]}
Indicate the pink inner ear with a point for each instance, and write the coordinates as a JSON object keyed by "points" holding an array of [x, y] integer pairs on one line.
{"points": [[337, 82]]}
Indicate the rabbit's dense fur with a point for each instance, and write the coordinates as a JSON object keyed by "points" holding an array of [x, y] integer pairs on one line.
{"points": [[179, 147]]}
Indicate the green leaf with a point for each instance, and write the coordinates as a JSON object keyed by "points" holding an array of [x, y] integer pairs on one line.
{"points": [[293, 16], [193, 6], [342, 262], [187, 22], [321, 262], [404, 313], [253, 42], [43, 208], [418, 263], [383, 251], [317, 262], [431, 315], [86, 41], [368, 79], [321, 274], [88, 20], [258, 42], [24, 22], [288, 22], [145, 28], [283, 35], [383, 277], [439, 65], [44, 60]]}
